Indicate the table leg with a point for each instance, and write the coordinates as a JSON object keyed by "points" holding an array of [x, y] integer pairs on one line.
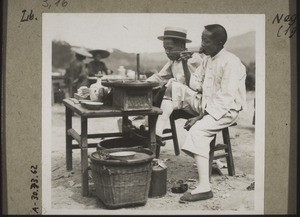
{"points": [[84, 158], [125, 122], [152, 132], [68, 139]]}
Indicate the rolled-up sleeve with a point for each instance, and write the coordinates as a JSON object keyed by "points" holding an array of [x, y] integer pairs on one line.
{"points": [[196, 80], [163, 75], [225, 97]]}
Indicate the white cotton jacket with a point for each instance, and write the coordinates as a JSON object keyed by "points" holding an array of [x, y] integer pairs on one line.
{"points": [[224, 86]]}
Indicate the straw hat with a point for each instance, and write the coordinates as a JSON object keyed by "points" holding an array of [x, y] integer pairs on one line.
{"points": [[103, 53], [82, 51], [174, 32]]}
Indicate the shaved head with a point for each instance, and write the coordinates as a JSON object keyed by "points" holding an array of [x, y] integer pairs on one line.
{"points": [[219, 33]]}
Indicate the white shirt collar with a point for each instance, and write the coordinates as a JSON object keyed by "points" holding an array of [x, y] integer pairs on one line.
{"points": [[218, 54]]}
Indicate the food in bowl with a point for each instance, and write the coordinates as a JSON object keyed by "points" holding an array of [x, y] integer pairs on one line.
{"points": [[123, 155]]}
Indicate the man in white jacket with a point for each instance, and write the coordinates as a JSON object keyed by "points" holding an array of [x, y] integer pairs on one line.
{"points": [[223, 97]]}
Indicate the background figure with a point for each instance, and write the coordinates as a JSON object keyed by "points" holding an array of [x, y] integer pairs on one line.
{"points": [[96, 66], [76, 75], [224, 96]]}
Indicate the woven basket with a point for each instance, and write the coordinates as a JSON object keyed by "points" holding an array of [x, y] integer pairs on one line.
{"points": [[120, 184]]}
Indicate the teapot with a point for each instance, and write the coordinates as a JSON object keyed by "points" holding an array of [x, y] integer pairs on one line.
{"points": [[98, 91]]}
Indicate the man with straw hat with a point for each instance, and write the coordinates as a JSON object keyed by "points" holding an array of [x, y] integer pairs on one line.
{"points": [[76, 75], [174, 43], [97, 66]]}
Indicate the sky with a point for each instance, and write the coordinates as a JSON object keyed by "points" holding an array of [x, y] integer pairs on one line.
{"points": [[136, 32]]}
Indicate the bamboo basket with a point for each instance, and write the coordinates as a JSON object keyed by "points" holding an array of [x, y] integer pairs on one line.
{"points": [[122, 183]]}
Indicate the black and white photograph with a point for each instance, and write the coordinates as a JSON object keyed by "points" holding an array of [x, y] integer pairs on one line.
{"points": [[153, 113]]}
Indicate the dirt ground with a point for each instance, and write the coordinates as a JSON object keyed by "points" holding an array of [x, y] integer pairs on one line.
{"points": [[230, 192]]}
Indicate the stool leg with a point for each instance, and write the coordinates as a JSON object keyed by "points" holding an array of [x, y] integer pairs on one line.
{"points": [[229, 158], [211, 156], [174, 136]]}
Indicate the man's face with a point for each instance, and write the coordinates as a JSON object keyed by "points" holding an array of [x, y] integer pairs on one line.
{"points": [[209, 45], [98, 57], [171, 48]]}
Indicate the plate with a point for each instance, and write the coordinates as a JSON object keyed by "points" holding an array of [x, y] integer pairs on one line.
{"points": [[91, 105], [122, 155]]}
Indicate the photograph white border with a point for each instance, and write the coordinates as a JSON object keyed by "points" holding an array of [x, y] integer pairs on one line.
{"points": [[259, 131]]}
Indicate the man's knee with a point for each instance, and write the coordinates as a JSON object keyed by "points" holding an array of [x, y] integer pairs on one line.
{"points": [[199, 126], [197, 130]]}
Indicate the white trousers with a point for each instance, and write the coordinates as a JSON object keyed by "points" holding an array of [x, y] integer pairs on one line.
{"points": [[202, 133], [182, 97]]}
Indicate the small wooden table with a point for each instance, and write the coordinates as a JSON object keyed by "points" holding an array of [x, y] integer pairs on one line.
{"points": [[107, 111]]}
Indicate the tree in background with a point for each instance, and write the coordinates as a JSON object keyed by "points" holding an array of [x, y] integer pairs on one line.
{"points": [[250, 79], [61, 55]]}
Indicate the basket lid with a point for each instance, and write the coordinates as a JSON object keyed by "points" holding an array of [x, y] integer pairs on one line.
{"points": [[142, 156]]}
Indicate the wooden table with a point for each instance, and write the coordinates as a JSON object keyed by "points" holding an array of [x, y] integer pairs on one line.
{"points": [[82, 140]]}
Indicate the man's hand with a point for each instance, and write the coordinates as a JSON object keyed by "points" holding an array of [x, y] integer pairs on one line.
{"points": [[185, 55], [169, 83], [190, 122], [168, 92]]}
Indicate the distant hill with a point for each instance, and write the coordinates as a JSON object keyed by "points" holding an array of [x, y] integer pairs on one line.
{"points": [[244, 40], [242, 45], [148, 61]]}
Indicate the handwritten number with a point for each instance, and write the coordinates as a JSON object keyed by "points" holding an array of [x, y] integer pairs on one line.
{"points": [[57, 3], [46, 3], [34, 185], [278, 35], [34, 180], [33, 197], [293, 31], [33, 169], [64, 3]]}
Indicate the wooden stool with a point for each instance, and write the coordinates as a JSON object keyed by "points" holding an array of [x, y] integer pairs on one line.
{"points": [[226, 146], [176, 114]]}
